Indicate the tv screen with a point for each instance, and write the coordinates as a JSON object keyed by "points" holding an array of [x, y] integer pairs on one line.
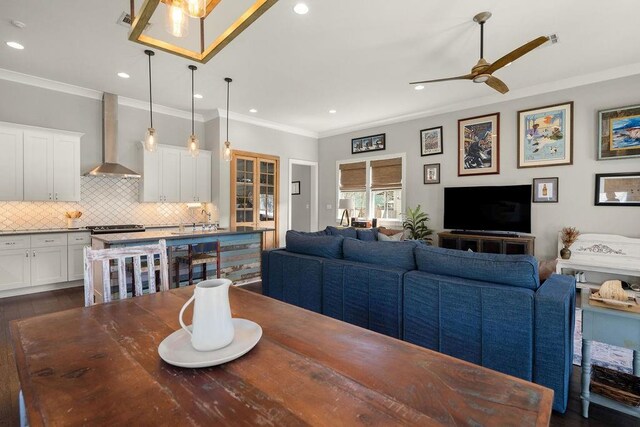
{"points": [[495, 208]]}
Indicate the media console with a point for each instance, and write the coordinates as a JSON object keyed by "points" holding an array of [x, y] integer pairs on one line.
{"points": [[487, 243]]}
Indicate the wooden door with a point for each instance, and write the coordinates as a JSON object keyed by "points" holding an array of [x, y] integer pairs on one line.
{"points": [[11, 147], [38, 166], [255, 192], [66, 167]]}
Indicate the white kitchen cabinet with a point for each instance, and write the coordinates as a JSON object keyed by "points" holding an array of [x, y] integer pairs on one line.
{"points": [[48, 265], [11, 164], [38, 165], [75, 255], [66, 168], [14, 268], [170, 174]]}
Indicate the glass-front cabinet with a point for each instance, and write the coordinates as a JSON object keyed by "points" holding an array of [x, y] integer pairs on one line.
{"points": [[254, 193]]}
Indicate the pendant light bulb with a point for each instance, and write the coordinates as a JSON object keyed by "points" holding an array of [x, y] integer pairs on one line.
{"points": [[226, 154], [151, 136], [196, 8], [177, 20], [150, 143], [193, 144]]}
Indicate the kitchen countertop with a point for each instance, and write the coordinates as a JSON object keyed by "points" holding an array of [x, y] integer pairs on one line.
{"points": [[43, 231], [169, 235]]}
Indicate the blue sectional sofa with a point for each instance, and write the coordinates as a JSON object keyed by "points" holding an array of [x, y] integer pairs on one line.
{"points": [[487, 309]]}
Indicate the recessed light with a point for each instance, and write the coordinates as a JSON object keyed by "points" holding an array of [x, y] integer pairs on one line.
{"points": [[124, 75], [253, 110], [418, 87], [198, 96], [301, 9], [332, 111], [15, 45]]}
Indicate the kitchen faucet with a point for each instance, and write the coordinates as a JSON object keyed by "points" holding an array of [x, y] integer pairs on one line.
{"points": [[208, 214]]}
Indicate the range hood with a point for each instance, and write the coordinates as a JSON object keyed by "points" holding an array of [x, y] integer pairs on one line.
{"points": [[110, 166]]}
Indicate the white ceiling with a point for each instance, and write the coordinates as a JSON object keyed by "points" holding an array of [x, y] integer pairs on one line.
{"points": [[355, 56]]}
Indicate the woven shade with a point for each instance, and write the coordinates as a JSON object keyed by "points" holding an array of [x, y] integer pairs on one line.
{"points": [[386, 174], [353, 176]]}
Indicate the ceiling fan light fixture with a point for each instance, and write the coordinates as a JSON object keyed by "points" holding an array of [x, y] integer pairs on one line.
{"points": [[481, 78]]}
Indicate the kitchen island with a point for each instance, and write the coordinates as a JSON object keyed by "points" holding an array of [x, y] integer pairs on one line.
{"points": [[240, 249]]}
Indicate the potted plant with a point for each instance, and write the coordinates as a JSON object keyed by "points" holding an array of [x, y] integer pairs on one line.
{"points": [[568, 235], [415, 225]]}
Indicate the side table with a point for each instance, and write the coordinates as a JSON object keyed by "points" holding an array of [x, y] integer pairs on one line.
{"points": [[609, 326]]}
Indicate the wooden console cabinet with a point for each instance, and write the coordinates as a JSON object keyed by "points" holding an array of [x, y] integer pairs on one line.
{"points": [[523, 245]]}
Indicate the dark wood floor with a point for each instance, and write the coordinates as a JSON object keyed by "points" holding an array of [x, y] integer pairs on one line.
{"points": [[47, 302]]}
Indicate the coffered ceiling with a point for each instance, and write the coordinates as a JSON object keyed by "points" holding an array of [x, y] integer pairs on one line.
{"points": [[354, 56]]}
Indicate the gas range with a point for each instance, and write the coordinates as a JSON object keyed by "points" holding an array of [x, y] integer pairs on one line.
{"points": [[109, 229]]}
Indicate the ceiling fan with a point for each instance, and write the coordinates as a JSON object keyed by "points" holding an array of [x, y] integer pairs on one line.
{"points": [[483, 71]]}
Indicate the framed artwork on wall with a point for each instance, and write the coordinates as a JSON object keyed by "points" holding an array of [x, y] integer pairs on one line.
{"points": [[479, 145], [618, 189], [619, 133], [432, 173], [431, 141], [545, 136], [295, 188], [545, 190], [368, 143]]}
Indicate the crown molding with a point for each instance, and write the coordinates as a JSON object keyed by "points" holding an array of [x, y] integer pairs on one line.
{"points": [[571, 82], [221, 113], [43, 83]]}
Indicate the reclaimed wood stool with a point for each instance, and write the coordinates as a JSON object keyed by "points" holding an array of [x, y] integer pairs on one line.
{"points": [[193, 258]]}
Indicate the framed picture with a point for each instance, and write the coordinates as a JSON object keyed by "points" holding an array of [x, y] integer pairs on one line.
{"points": [[619, 133], [295, 188], [479, 145], [368, 143], [431, 141], [545, 190], [545, 136], [432, 173], [618, 189]]}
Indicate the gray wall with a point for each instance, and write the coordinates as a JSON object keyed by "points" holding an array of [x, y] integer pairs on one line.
{"points": [[300, 204], [31, 105], [576, 182]]}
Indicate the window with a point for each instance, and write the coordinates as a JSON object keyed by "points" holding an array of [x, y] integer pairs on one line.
{"points": [[375, 185]]}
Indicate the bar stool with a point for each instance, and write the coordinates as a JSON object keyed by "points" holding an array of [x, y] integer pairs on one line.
{"points": [[203, 258]]}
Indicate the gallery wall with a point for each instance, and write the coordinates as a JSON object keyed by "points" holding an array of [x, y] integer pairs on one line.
{"points": [[576, 182]]}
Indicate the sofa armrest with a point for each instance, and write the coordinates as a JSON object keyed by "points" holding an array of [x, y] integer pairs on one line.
{"points": [[264, 269], [554, 327]]}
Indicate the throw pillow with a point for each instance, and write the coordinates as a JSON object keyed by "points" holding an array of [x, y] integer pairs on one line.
{"points": [[368, 234], [313, 233], [546, 268], [344, 232], [322, 246], [388, 254], [393, 238]]}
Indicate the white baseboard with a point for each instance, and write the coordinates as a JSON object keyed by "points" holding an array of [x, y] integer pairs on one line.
{"points": [[35, 289]]}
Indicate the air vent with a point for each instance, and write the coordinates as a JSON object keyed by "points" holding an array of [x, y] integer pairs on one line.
{"points": [[125, 20], [553, 38]]}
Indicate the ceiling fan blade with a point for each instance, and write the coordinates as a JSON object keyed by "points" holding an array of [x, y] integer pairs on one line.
{"points": [[465, 77], [497, 84], [515, 54]]}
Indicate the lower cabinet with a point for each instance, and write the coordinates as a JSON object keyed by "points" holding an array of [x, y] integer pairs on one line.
{"points": [[15, 268], [523, 245], [48, 265], [75, 256]]}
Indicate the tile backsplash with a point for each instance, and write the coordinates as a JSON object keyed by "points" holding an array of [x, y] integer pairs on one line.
{"points": [[103, 201]]}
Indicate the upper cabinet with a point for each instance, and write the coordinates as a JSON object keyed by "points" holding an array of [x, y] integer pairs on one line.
{"points": [[40, 164], [171, 175]]}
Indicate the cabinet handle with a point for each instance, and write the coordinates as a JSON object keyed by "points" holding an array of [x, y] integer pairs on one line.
{"points": [[49, 196], [27, 254], [49, 241], [56, 196], [10, 243], [34, 254]]}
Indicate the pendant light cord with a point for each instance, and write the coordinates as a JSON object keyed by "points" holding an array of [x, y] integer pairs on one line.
{"points": [[228, 83], [150, 95], [192, 101]]}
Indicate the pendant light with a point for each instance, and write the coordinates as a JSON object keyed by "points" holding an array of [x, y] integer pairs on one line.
{"points": [[177, 20], [227, 144], [196, 8], [151, 136], [193, 143]]}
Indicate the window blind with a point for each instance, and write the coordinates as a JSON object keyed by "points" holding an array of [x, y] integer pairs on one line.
{"points": [[353, 176], [386, 174]]}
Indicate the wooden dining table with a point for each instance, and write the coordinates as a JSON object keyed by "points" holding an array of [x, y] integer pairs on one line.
{"points": [[100, 366]]}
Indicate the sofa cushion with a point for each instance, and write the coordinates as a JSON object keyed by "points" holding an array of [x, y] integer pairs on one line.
{"points": [[513, 270], [367, 234], [388, 254], [322, 246], [344, 232], [313, 233]]}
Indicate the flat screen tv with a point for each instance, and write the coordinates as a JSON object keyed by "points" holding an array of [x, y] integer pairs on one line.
{"points": [[493, 209]]}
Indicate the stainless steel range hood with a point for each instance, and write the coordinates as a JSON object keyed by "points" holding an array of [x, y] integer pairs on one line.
{"points": [[110, 166]]}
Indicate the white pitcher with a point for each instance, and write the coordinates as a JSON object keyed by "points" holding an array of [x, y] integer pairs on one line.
{"points": [[212, 326]]}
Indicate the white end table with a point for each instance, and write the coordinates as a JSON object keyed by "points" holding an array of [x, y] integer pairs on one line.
{"points": [[609, 326]]}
